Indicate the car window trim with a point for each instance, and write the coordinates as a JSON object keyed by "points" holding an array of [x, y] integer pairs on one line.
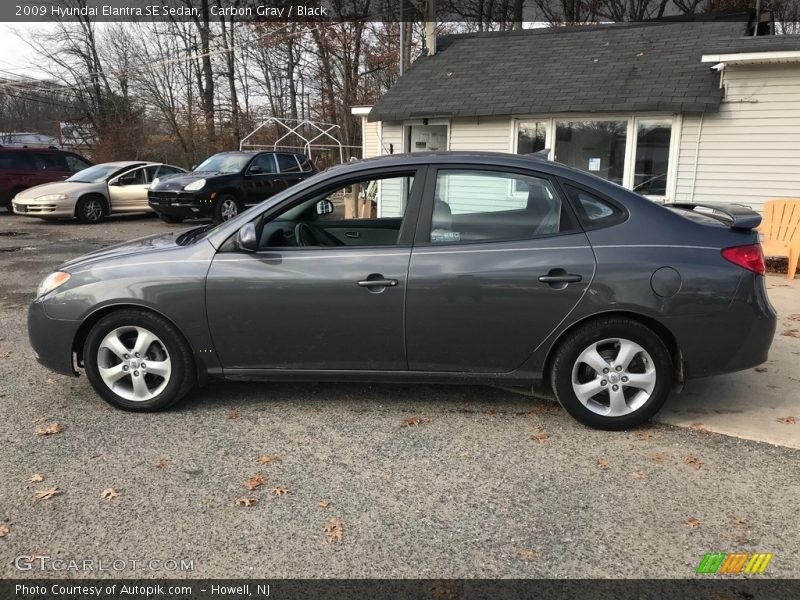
{"points": [[407, 229], [579, 212], [422, 237], [278, 163]]}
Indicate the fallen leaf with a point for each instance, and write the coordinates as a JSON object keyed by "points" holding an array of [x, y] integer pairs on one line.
{"points": [[639, 475], [659, 457], [791, 333], [692, 523], [268, 459], [699, 427], [255, 481], [603, 463], [333, 530], [739, 520], [323, 503], [540, 438], [280, 491], [4, 529], [245, 501], [527, 554], [415, 421], [109, 494], [760, 369], [790, 420], [642, 435], [694, 462], [444, 588], [48, 493], [161, 463], [35, 478], [50, 429], [233, 414]]}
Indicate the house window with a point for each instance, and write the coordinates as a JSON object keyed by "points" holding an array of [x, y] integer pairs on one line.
{"points": [[594, 146], [653, 138], [531, 136]]}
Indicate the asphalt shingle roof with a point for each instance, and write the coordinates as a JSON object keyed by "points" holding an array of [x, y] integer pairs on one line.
{"points": [[601, 68]]}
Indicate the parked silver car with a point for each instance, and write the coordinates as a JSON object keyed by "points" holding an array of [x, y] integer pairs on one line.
{"points": [[94, 193]]}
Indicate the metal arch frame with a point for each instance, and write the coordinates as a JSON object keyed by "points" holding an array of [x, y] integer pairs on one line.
{"points": [[292, 127]]}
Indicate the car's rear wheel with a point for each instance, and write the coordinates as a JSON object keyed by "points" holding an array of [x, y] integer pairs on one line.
{"points": [[170, 219], [613, 373], [91, 209], [138, 361], [227, 208]]}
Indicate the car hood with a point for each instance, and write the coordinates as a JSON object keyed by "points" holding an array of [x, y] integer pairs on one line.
{"points": [[59, 187], [178, 182], [141, 246]]}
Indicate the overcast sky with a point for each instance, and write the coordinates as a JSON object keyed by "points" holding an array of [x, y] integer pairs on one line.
{"points": [[15, 55]]}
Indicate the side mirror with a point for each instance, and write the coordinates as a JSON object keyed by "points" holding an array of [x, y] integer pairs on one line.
{"points": [[324, 207], [247, 239], [194, 167], [256, 170], [114, 182]]}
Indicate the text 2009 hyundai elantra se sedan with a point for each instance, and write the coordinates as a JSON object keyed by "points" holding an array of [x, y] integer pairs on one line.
{"points": [[450, 267]]}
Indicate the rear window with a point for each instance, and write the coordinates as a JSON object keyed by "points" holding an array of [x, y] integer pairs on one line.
{"points": [[305, 164], [594, 211], [14, 160]]}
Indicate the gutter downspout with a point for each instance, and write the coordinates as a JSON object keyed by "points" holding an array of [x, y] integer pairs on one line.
{"points": [[697, 155]]}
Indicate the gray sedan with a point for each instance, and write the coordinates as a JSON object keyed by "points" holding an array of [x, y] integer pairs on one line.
{"points": [[449, 267]]}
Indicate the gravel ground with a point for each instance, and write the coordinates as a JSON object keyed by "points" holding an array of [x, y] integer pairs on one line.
{"points": [[479, 490]]}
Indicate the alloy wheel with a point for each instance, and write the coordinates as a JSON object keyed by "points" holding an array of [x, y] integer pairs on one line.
{"points": [[229, 209], [92, 210], [134, 363], [614, 377]]}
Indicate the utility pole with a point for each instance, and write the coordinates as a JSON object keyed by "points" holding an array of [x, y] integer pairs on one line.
{"points": [[430, 26], [403, 41]]}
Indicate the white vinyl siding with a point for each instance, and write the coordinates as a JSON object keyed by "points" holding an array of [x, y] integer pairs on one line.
{"points": [[371, 141], [391, 193], [749, 151], [487, 134]]}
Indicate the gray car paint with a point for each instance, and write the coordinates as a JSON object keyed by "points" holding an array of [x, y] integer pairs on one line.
{"points": [[255, 316]]}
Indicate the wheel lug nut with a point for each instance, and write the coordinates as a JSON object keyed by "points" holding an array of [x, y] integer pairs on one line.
{"points": [[615, 387], [605, 370], [144, 366], [619, 368], [136, 374], [624, 379], [137, 356], [603, 382], [127, 356], [124, 367]]}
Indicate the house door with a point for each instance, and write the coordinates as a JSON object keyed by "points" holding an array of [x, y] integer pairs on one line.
{"points": [[427, 138]]}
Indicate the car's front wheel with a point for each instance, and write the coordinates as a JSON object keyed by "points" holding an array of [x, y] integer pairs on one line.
{"points": [[613, 373], [227, 208], [138, 361], [91, 209]]}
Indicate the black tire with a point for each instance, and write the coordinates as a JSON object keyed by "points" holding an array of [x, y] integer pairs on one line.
{"points": [[566, 365], [170, 219], [10, 197], [226, 203], [91, 209], [182, 375]]}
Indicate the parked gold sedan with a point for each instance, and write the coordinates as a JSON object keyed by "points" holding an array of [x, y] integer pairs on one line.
{"points": [[94, 193]]}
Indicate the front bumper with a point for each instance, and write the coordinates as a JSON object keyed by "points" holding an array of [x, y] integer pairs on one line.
{"points": [[182, 204], [63, 209], [51, 339]]}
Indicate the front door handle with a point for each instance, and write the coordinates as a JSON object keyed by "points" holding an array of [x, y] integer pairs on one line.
{"points": [[370, 283], [565, 278], [352, 234]]}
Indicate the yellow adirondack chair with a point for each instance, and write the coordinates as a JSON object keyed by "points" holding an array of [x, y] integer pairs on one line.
{"points": [[780, 231]]}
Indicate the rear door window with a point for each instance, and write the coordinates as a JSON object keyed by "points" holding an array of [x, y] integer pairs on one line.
{"points": [[47, 161], [594, 211], [287, 163]]}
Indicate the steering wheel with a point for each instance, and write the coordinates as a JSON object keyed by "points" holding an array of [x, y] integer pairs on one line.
{"points": [[306, 234]]}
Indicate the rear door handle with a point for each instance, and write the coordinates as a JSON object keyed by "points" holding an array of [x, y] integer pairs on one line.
{"points": [[367, 283], [352, 234]]}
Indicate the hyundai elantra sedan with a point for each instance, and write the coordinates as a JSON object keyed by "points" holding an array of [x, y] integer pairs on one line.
{"points": [[438, 267]]}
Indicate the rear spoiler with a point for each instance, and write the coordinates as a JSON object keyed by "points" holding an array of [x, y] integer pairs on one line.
{"points": [[736, 216]]}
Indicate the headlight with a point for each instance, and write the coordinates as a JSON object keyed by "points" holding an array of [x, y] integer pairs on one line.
{"points": [[155, 181], [51, 282], [52, 198], [195, 185]]}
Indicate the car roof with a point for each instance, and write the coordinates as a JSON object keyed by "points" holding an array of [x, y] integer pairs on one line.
{"points": [[121, 164], [47, 150]]}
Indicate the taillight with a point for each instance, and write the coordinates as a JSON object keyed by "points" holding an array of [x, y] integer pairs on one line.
{"points": [[749, 257]]}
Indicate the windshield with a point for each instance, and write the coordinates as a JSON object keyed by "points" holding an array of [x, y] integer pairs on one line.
{"points": [[95, 174], [223, 163]]}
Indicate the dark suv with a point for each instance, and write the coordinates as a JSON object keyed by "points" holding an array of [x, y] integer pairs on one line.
{"points": [[223, 185], [21, 168]]}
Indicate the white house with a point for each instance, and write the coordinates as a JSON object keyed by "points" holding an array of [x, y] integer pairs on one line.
{"points": [[681, 111]]}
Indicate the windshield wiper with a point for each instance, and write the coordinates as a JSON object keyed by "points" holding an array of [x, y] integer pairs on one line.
{"points": [[190, 236]]}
